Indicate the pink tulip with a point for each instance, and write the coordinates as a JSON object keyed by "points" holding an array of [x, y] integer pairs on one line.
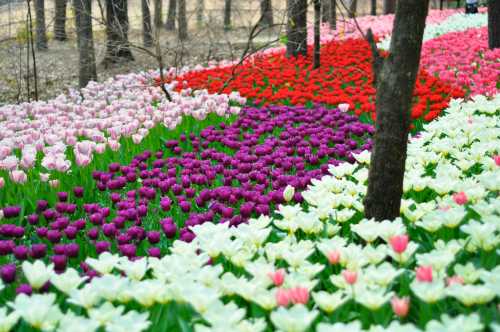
{"points": [[424, 273], [350, 276], [82, 160], [44, 177], [136, 138], [100, 148], [282, 298], [54, 183], [399, 243], [18, 176], [497, 160], [400, 306], [2, 182], [298, 295], [460, 198], [9, 163], [454, 280], [113, 145], [334, 257], [278, 277]]}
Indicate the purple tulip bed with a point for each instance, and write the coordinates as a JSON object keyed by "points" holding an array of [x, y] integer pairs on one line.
{"points": [[226, 173]]}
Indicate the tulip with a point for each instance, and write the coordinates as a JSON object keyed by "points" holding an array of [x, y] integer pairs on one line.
{"points": [[350, 276], [424, 273], [399, 243], [8, 273], [24, 289], [400, 306], [334, 257], [278, 277], [2, 182], [460, 198], [21, 252], [282, 297], [298, 295], [454, 280]]}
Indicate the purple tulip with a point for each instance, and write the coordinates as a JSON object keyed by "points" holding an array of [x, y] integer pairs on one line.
{"points": [[24, 289], [128, 250], [8, 273], [102, 246], [153, 237], [38, 250], [71, 250], [60, 262], [11, 211], [62, 196], [154, 252], [21, 252], [78, 191]]}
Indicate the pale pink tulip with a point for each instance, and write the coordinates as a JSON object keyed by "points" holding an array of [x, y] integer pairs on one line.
{"points": [[454, 280], [424, 273], [54, 183], [2, 182], [400, 306], [350, 276], [18, 176], [278, 277], [460, 198], [334, 257], [399, 243], [299, 295], [282, 298]]}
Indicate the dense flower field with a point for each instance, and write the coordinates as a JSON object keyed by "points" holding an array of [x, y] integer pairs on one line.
{"points": [[238, 205]]}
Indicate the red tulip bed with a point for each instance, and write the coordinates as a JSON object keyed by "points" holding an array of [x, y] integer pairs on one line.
{"points": [[345, 76]]}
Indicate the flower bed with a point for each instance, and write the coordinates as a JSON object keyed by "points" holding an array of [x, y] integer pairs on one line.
{"points": [[228, 173], [320, 265], [470, 65], [344, 77]]}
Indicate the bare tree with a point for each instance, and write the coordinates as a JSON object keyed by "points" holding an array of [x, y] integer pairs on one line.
{"points": [[317, 26], [41, 33], [117, 44], [395, 78], [172, 8], [200, 8], [266, 13], [373, 9], [330, 12], [158, 19], [390, 6], [60, 20], [296, 28], [494, 23], [182, 20], [85, 41], [147, 31], [353, 7], [227, 14]]}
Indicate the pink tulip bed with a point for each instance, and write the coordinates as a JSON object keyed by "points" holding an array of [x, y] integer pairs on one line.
{"points": [[243, 210]]}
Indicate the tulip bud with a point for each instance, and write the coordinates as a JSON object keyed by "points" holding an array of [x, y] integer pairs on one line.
{"points": [[400, 306], [288, 193], [350, 276]]}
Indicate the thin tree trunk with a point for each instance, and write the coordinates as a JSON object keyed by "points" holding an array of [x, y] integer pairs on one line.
{"points": [[147, 31], [317, 26], [200, 8], [182, 20], [329, 12], [296, 28], [227, 14], [353, 7], [389, 6], [494, 23], [172, 8], [373, 10], [60, 20], [266, 12], [395, 82], [85, 40], [158, 19], [41, 33], [117, 46]]}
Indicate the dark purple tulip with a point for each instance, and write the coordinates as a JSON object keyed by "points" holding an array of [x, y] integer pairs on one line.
{"points": [[8, 273], [128, 250], [33, 219], [79, 224], [71, 250], [185, 206], [24, 289], [49, 214], [54, 236], [21, 252], [165, 204], [114, 167], [154, 252], [119, 222], [11, 211], [169, 229], [123, 238], [102, 246], [109, 230], [62, 196], [93, 233], [41, 205], [115, 197], [96, 218], [38, 250], [153, 237], [187, 237], [142, 210], [60, 262], [6, 247], [70, 208], [59, 249], [78, 191]]}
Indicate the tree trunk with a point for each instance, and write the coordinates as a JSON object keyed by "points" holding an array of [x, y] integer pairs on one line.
{"points": [[60, 20], [317, 26], [200, 8], [41, 34], [353, 7], [396, 76], [182, 20], [494, 23], [389, 6], [172, 9], [329, 12], [227, 14], [158, 19], [266, 13], [296, 28], [147, 31], [373, 10], [117, 46], [85, 40]]}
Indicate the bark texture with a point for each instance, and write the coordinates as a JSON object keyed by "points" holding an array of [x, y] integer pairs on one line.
{"points": [[41, 33], [296, 28], [147, 31], [266, 13], [172, 8], [494, 23], [373, 8], [117, 46], [389, 6], [60, 20], [227, 14], [158, 18], [353, 7], [200, 8], [85, 40], [317, 26], [396, 76], [329, 12], [182, 20]]}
